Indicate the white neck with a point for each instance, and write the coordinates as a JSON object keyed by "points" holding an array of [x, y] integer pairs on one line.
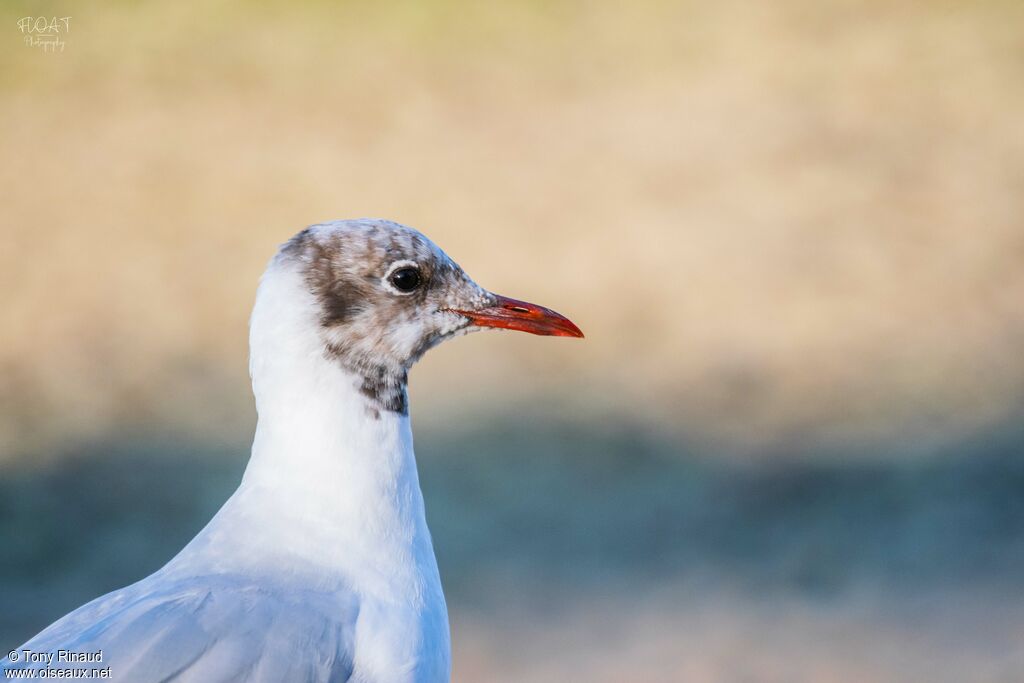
{"points": [[331, 491]]}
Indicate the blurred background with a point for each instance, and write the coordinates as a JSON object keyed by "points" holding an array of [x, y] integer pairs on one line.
{"points": [[790, 448]]}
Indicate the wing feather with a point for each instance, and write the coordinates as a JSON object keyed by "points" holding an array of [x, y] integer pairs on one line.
{"points": [[209, 628]]}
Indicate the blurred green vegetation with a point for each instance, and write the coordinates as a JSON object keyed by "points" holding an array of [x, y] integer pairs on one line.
{"points": [[533, 525]]}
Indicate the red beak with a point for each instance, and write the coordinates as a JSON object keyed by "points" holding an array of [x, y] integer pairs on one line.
{"points": [[511, 314]]}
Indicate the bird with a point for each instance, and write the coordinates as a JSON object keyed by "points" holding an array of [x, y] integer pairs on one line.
{"points": [[320, 566]]}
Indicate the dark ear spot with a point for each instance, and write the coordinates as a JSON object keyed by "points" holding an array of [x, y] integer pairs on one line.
{"points": [[335, 305], [338, 299]]}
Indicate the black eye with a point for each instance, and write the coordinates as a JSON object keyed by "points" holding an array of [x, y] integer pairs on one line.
{"points": [[406, 279]]}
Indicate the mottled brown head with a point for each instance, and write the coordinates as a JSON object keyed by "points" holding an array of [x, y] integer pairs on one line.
{"points": [[386, 294]]}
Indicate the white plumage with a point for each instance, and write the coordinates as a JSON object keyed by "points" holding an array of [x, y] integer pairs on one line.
{"points": [[320, 566]]}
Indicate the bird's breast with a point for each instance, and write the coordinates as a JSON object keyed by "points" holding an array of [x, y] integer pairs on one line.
{"points": [[404, 642]]}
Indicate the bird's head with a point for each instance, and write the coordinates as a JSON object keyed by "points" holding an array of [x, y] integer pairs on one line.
{"points": [[384, 294]]}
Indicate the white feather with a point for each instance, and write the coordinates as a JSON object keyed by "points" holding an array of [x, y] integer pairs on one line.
{"points": [[320, 566]]}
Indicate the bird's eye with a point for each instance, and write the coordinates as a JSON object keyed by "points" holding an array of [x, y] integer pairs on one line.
{"points": [[406, 279]]}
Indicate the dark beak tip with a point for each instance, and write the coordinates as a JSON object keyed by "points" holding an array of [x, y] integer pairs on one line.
{"points": [[571, 330]]}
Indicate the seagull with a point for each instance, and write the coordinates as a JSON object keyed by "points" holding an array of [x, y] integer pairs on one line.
{"points": [[320, 566]]}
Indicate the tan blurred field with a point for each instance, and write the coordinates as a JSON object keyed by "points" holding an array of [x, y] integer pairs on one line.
{"points": [[769, 221], [781, 225]]}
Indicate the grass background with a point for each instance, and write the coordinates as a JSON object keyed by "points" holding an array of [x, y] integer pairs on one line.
{"points": [[790, 447]]}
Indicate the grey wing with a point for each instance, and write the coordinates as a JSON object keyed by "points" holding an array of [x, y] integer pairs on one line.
{"points": [[207, 629]]}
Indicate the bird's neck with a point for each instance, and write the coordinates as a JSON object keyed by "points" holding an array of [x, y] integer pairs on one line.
{"points": [[338, 478], [332, 485]]}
